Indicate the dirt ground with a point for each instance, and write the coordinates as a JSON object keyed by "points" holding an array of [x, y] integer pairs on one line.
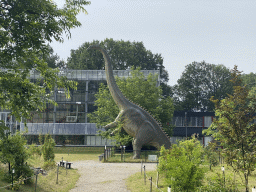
{"points": [[105, 177]]}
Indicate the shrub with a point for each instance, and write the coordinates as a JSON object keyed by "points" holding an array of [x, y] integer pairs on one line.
{"points": [[180, 164], [48, 148]]}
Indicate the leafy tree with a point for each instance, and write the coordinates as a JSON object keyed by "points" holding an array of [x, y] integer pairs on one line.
{"points": [[249, 80], [25, 29], [181, 165], [234, 127], [48, 147], [138, 90], [14, 153], [124, 55], [53, 60], [198, 83]]}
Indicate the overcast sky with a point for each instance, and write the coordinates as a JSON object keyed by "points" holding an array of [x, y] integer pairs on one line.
{"points": [[182, 31]]}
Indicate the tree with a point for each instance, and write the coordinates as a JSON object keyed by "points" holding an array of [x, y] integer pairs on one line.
{"points": [[198, 83], [14, 152], [53, 60], [181, 165], [124, 55], [25, 29], [249, 80], [235, 127], [138, 90]]}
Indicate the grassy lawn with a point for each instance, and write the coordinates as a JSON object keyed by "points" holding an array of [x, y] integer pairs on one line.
{"points": [[66, 178], [135, 183]]}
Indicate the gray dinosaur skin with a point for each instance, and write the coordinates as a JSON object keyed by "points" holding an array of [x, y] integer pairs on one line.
{"points": [[137, 122]]}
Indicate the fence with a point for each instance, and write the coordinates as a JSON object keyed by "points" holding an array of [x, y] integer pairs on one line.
{"points": [[122, 155], [146, 177]]}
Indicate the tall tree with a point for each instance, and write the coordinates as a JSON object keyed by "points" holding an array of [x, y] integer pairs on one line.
{"points": [[249, 80], [198, 83], [235, 127], [140, 91], [25, 29], [124, 55]]}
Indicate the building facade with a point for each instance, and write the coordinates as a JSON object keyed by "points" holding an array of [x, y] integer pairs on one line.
{"points": [[189, 123], [68, 121]]}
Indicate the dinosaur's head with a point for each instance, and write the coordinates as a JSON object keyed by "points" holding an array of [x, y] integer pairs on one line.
{"points": [[93, 46]]}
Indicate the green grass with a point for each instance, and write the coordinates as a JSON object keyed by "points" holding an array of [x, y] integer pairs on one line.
{"points": [[135, 183], [66, 178]]}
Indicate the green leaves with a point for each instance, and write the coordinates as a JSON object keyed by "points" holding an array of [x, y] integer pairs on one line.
{"points": [[25, 29], [180, 164], [236, 127], [139, 91], [198, 83]]}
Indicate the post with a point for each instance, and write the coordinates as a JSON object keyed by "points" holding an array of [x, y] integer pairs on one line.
{"points": [[104, 155], [223, 170], [141, 167], [57, 174], [12, 180], [186, 125], [169, 188], [36, 181], [150, 184], [157, 178], [66, 167], [144, 174]]}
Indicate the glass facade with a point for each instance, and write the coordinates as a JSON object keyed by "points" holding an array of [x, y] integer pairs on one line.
{"points": [[69, 117]]}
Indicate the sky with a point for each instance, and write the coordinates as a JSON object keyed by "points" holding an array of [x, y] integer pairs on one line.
{"points": [[182, 31]]}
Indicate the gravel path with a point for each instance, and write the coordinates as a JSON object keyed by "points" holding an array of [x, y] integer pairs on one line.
{"points": [[105, 177]]}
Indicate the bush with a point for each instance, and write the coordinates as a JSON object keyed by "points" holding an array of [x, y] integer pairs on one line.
{"points": [[48, 148], [49, 165], [216, 183], [180, 164]]}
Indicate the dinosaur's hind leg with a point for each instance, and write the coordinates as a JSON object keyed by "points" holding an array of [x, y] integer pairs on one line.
{"points": [[144, 136], [136, 144]]}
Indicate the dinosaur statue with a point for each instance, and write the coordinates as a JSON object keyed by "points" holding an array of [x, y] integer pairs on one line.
{"points": [[137, 122]]}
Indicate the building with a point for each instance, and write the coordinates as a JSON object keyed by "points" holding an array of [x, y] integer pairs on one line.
{"points": [[68, 122], [188, 123]]}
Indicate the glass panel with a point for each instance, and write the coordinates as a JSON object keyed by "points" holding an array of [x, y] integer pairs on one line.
{"points": [[207, 121]]}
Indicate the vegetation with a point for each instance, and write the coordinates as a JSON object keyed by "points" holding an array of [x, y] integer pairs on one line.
{"points": [[213, 180], [181, 165], [235, 127], [140, 91], [66, 179], [15, 154], [124, 55], [198, 83], [25, 29]]}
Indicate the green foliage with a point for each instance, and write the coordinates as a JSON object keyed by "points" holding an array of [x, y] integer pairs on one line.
{"points": [[25, 29], [235, 128], [48, 165], [249, 80], [198, 83], [180, 164], [216, 183], [124, 55], [14, 152], [48, 148], [138, 90], [211, 155], [34, 150]]}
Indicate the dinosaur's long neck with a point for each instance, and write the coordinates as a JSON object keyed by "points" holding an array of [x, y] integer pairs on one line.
{"points": [[117, 95]]}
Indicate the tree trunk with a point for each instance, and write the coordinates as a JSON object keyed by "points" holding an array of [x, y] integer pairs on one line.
{"points": [[246, 182]]}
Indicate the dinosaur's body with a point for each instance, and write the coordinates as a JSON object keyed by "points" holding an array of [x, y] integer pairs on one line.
{"points": [[137, 122]]}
